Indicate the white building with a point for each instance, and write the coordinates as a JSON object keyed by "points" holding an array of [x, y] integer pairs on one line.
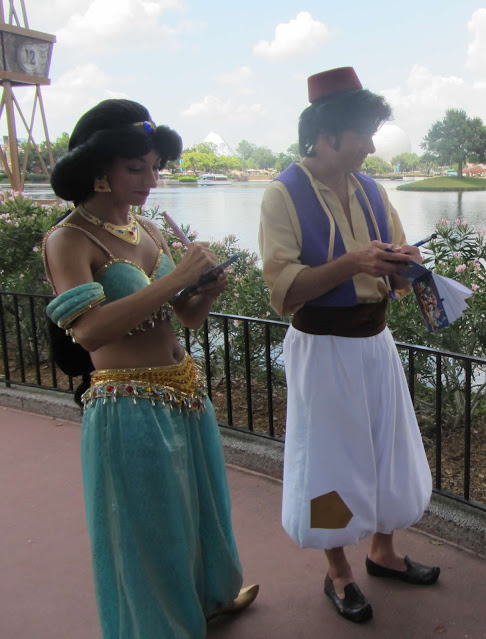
{"points": [[222, 148], [390, 140]]}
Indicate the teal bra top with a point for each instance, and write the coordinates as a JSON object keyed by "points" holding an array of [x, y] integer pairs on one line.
{"points": [[120, 277]]}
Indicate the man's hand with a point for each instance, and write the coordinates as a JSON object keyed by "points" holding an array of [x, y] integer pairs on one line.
{"points": [[412, 251], [379, 259]]}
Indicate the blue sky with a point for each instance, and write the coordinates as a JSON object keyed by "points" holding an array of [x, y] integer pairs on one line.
{"points": [[240, 68]]}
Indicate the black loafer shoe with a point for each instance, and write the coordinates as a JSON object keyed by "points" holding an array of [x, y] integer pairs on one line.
{"points": [[354, 606], [414, 574]]}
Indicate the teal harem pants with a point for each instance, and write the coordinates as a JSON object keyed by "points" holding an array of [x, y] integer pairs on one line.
{"points": [[158, 514]]}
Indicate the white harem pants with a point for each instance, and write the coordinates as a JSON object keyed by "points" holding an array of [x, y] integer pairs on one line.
{"points": [[354, 460]]}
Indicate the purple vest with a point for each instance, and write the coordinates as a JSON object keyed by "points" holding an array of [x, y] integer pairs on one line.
{"points": [[316, 228]]}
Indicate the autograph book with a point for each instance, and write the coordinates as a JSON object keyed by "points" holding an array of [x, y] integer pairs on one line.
{"points": [[441, 300], [209, 275]]}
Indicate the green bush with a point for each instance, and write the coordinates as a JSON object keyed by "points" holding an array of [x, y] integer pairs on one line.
{"points": [[23, 223], [247, 295], [459, 252]]}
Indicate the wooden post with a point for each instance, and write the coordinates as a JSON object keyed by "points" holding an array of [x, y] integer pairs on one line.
{"points": [[16, 182]]}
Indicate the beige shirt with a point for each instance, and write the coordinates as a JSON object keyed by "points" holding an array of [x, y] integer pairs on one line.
{"points": [[280, 237]]}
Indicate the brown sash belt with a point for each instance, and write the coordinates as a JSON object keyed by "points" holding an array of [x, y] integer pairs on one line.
{"points": [[362, 320]]}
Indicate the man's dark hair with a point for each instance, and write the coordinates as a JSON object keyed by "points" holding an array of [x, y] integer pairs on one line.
{"points": [[104, 133], [360, 111]]}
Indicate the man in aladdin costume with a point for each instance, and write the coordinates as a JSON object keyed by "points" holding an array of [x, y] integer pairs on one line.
{"points": [[333, 248]]}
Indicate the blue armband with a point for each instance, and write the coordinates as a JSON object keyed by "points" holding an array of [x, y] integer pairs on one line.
{"points": [[68, 306]]}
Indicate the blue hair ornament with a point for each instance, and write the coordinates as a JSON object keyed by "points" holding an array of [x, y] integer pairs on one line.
{"points": [[147, 125]]}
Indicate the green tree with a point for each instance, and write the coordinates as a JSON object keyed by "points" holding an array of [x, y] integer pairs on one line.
{"points": [[205, 147], [198, 162], [225, 163], [59, 148], [283, 161], [374, 165], [264, 158], [428, 163], [26, 149], [407, 161], [456, 139], [245, 149], [294, 149]]}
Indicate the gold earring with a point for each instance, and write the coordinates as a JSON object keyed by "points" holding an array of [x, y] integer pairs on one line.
{"points": [[101, 185]]}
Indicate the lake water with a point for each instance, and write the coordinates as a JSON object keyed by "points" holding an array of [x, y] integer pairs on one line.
{"points": [[217, 211]]}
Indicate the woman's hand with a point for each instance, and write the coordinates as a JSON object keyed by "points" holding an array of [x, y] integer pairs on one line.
{"points": [[197, 259], [212, 289]]}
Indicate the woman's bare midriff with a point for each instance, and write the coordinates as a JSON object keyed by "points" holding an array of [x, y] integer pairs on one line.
{"points": [[155, 346]]}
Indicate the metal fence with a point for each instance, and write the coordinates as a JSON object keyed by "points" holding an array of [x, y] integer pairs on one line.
{"points": [[242, 361]]}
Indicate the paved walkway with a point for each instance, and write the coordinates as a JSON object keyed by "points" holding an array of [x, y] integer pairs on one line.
{"points": [[45, 576]]}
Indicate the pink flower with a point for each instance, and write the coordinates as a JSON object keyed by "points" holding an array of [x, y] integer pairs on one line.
{"points": [[475, 287], [419, 375], [460, 268], [444, 222], [457, 254], [35, 249]]}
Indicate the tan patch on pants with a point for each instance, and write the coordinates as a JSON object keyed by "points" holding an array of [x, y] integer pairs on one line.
{"points": [[329, 511]]}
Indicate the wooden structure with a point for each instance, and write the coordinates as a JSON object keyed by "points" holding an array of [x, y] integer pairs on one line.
{"points": [[25, 58]]}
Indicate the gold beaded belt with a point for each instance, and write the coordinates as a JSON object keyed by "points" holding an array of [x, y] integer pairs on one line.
{"points": [[177, 386]]}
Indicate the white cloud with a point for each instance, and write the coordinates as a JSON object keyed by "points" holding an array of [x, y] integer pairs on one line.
{"points": [[239, 79], [101, 25], [212, 106], [243, 74], [476, 51], [67, 99], [425, 97], [301, 36]]}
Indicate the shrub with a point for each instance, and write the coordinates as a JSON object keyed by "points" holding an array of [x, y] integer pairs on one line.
{"points": [[459, 252], [23, 223], [247, 295]]}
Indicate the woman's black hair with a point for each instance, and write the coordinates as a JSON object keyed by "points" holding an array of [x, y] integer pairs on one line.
{"points": [[70, 357], [359, 110], [104, 133]]}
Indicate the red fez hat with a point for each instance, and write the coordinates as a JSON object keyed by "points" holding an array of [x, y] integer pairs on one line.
{"points": [[333, 81]]}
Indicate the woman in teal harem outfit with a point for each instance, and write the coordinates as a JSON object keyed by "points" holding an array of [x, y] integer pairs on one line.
{"points": [[156, 496]]}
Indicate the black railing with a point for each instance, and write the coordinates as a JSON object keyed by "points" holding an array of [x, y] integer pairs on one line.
{"points": [[241, 358]]}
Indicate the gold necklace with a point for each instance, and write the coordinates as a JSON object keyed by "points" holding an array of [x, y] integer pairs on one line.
{"points": [[128, 232]]}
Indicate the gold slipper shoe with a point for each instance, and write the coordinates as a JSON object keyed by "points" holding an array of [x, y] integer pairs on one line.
{"points": [[244, 599]]}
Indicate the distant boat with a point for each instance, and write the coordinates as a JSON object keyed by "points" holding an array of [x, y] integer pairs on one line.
{"points": [[211, 179]]}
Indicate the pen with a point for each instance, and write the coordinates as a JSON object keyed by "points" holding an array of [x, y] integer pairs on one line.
{"points": [[180, 234], [427, 239]]}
